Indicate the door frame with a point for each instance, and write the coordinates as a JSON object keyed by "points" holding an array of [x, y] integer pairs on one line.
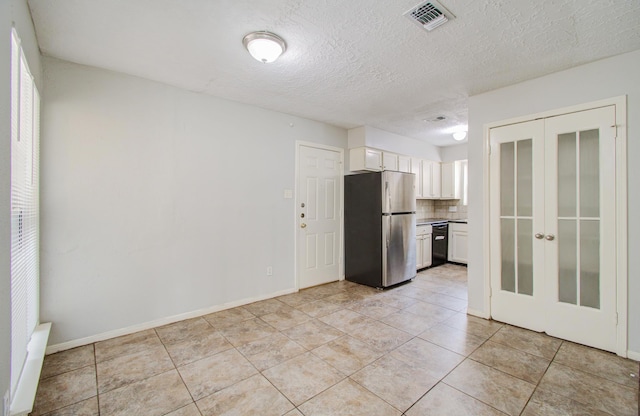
{"points": [[299, 144], [620, 104]]}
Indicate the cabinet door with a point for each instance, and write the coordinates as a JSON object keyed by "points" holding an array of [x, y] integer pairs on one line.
{"points": [[436, 180], [448, 180], [389, 161], [416, 169], [426, 250], [431, 179], [404, 164], [362, 158], [373, 159], [457, 245], [419, 255]]}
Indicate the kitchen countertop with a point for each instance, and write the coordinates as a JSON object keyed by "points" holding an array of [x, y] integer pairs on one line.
{"points": [[430, 221]]}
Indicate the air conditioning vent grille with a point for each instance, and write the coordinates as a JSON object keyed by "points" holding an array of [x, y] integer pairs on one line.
{"points": [[429, 15], [426, 13]]}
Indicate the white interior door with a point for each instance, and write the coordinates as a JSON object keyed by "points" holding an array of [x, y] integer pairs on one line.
{"points": [[517, 209], [580, 237], [318, 215], [553, 217]]}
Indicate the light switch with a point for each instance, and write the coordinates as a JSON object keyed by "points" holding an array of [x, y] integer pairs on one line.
{"points": [[288, 193]]}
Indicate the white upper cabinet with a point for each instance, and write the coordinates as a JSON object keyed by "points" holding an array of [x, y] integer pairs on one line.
{"points": [[431, 179], [451, 180], [404, 164], [434, 180], [389, 161], [416, 169], [364, 158]]}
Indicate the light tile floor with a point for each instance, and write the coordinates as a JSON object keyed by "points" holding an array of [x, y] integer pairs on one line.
{"points": [[341, 349]]}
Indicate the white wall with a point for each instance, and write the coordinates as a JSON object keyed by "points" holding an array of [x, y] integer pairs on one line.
{"points": [[452, 153], [384, 140], [12, 12], [599, 80], [157, 201]]}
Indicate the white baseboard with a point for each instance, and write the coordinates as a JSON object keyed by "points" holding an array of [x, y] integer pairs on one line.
{"points": [[633, 355], [479, 314], [159, 322]]}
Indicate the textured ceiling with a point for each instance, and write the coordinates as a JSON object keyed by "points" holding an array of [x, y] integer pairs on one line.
{"points": [[348, 63]]}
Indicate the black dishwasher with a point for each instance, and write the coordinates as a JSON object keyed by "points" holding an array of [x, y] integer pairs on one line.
{"points": [[440, 245]]}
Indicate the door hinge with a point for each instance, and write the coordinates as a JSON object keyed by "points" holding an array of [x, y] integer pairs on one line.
{"points": [[615, 131]]}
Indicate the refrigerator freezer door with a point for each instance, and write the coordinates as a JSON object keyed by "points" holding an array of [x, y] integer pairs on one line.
{"points": [[398, 192], [398, 248]]}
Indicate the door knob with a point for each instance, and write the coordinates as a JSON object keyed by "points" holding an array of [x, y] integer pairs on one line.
{"points": [[550, 237], [303, 225], [539, 236]]}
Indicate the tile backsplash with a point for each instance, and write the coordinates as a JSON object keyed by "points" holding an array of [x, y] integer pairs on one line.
{"points": [[436, 208]]}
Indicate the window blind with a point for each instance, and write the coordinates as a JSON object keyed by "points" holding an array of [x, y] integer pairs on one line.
{"points": [[25, 115]]}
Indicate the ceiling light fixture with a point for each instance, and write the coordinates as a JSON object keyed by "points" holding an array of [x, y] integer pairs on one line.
{"points": [[459, 135], [264, 46]]}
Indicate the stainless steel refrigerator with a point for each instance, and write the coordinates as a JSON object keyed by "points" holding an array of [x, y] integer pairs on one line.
{"points": [[380, 228]]}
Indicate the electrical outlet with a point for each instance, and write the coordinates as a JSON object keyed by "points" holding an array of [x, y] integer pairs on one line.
{"points": [[269, 271], [453, 208]]}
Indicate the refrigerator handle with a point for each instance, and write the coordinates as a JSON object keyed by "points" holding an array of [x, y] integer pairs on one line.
{"points": [[389, 232], [387, 194]]}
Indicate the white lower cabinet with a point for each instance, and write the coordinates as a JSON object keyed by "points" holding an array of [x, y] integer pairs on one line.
{"points": [[457, 243], [423, 246]]}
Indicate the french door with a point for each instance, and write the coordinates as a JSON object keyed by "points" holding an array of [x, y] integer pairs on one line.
{"points": [[552, 210]]}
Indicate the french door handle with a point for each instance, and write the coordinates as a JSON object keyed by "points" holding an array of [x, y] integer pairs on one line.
{"points": [[550, 237], [539, 236]]}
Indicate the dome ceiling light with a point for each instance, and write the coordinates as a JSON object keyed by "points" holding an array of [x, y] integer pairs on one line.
{"points": [[459, 135], [264, 46]]}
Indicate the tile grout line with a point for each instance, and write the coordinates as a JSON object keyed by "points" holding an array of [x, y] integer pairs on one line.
{"points": [[95, 363], [175, 367], [466, 357], [541, 377]]}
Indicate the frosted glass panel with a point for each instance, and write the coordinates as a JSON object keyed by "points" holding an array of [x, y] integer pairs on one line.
{"points": [[507, 163], [507, 235], [567, 261], [590, 263], [525, 183], [525, 256], [589, 174], [567, 175]]}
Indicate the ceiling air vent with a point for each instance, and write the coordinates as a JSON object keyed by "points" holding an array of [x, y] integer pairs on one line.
{"points": [[429, 15]]}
